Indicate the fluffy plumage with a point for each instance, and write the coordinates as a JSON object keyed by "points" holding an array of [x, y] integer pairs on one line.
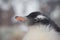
{"points": [[41, 27]]}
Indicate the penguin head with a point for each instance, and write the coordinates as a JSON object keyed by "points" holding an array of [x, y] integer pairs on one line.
{"points": [[34, 18], [37, 18]]}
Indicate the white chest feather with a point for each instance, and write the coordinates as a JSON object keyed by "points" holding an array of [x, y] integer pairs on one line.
{"points": [[41, 33]]}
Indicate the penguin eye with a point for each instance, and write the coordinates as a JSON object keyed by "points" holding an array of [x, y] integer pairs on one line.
{"points": [[36, 20]]}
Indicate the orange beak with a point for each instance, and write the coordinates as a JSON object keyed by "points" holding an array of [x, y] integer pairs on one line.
{"points": [[20, 18]]}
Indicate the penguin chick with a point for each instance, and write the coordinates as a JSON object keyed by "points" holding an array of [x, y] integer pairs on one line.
{"points": [[41, 27]]}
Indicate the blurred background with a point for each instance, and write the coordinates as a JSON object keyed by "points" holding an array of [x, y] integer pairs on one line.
{"points": [[10, 8]]}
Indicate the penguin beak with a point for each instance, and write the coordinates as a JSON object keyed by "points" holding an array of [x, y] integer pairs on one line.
{"points": [[19, 18], [23, 27]]}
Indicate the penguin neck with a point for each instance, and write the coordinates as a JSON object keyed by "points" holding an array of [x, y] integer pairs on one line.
{"points": [[40, 28]]}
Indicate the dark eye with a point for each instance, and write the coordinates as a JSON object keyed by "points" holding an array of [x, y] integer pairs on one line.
{"points": [[36, 20]]}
